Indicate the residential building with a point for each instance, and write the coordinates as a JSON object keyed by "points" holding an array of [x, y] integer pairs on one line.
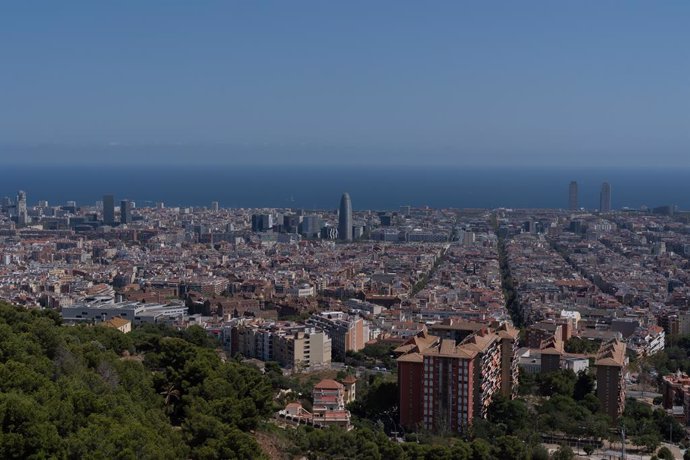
{"points": [[610, 363], [676, 393], [292, 345], [122, 325], [328, 407], [444, 384], [348, 333]]}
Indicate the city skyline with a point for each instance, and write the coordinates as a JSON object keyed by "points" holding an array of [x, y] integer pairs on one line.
{"points": [[283, 230]]}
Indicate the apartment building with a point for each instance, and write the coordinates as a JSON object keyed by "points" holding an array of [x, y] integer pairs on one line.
{"points": [[347, 332], [302, 349], [610, 363], [445, 384], [291, 345], [676, 391]]}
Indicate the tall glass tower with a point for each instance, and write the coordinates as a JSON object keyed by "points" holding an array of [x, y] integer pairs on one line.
{"points": [[22, 213], [345, 218], [605, 198], [108, 209], [572, 196]]}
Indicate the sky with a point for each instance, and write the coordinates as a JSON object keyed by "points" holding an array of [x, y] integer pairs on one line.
{"points": [[450, 83]]}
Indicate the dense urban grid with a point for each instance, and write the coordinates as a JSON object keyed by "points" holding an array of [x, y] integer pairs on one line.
{"points": [[550, 332]]}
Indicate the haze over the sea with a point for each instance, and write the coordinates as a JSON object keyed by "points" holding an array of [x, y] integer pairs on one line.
{"points": [[319, 187]]}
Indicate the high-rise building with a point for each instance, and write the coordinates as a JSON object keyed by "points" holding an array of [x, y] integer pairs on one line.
{"points": [[214, 206], [262, 222], [126, 211], [22, 212], [345, 218], [610, 364], [444, 384], [605, 198], [290, 223], [311, 225], [572, 196], [108, 209]]}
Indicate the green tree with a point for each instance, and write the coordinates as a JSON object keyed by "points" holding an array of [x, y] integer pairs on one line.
{"points": [[539, 452], [481, 450], [665, 453], [584, 385], [563, 453], [561, 382], [580, 345], [649, 440], [510, 447]]}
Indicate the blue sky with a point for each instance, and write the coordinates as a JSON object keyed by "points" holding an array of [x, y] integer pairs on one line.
{"points": [[591, 83]]}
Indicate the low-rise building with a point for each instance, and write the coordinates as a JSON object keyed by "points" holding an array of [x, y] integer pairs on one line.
{"points": [[122, 325], [136, 312], [676, 393]]}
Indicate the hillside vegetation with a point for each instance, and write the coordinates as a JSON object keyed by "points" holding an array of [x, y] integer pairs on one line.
{"points": [[93, 392]]}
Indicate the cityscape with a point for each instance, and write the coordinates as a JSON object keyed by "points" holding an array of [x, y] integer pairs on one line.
{"points": [[308, 230], [455, 310]]}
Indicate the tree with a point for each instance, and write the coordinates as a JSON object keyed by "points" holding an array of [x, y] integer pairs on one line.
{"points": [[563, 453], [665, 453], [481, 450], [527, 384], [539, 452], [512, 413], [580, 345], [461, 451], [561, 382], [69, 393], [510, 447], [584, 385], [649, 440]]}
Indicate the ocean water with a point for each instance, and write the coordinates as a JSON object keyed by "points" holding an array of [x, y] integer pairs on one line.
{"points": [[318, 187]]}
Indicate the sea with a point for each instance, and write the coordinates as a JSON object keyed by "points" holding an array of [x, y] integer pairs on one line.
{"points": [[320, 187]]}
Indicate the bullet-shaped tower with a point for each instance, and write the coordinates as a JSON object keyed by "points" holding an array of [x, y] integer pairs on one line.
{"points": [[345, 218]]}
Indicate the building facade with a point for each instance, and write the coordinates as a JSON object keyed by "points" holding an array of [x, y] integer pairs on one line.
{"points": [[108, 209], [444, 384], [610, 363], [345, 218], [125, 211], [605, 198], [348, 333], [572, 196]]}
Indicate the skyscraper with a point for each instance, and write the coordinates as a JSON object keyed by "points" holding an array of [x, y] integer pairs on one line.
{"points": [[125, 211], [22, 212], [605, 198], [572, 196], [108, 209], [345, 218]]}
